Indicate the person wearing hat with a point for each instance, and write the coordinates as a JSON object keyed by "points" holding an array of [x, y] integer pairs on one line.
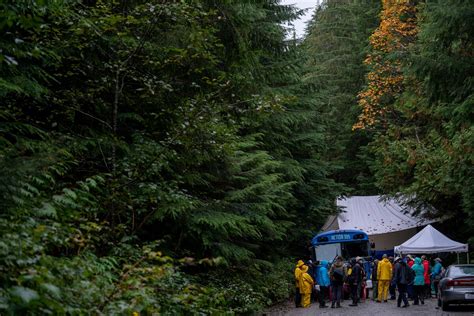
{"points": [[337, 274], [354, 280], [322, 278], [384, 275], [297, 280], [419, 282], [436, 274], [305, 285]]}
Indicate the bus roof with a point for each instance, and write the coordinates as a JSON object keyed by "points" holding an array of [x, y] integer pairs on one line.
{"points": [[338, 231]]}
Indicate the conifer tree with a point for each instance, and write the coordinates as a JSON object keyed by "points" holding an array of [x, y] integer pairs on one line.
{"points": [[335, 47], [424, 153]]}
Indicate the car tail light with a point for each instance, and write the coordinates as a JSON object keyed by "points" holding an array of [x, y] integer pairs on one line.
{"points": [[450, 283], [463, 283]]}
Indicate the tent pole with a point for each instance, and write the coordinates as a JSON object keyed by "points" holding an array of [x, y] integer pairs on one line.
{"points": [[458, 256], [467, 257]]}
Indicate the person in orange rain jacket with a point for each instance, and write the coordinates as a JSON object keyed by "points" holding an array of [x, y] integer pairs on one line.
{"points": [[306, 284], [297, 280]]}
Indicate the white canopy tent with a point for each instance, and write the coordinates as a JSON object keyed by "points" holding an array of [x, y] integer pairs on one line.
{"points": [[387, 221], [430, 240], [374, 215]]}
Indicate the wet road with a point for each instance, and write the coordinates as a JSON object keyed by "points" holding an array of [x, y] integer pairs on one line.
{"points": [[370, 308]]}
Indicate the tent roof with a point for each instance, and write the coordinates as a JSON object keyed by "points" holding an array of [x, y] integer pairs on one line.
{"points": [[373, 215], [430, 240]]}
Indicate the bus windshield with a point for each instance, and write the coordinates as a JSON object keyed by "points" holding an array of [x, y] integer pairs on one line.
{"points": [[354, 249], [346, 250], [327, 252]]}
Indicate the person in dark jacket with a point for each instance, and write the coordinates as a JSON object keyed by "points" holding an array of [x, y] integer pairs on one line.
{"points": [[354, 280], [393, 285], [374, 280], [361, 284], [311, 266], [337, 274], [402, 277]]}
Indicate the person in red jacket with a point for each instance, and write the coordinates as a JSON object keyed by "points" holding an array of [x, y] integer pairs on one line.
{"points": [[426, 275], [410, 290]]}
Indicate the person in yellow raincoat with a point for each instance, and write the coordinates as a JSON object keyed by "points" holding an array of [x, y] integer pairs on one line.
{"points": [[384, 275], [297, 280], [306, 284]]}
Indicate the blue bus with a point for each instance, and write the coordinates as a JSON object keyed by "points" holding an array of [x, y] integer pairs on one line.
{"points": [[348, 243]]}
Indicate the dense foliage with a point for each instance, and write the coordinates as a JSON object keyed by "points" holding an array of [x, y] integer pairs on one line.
{"points": [[414, 108], [170, 156], [389, 42], [335, 47], [136, 133], [425, 151]]}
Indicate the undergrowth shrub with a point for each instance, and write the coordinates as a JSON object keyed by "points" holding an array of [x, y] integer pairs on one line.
{"points": [[38, 276]]}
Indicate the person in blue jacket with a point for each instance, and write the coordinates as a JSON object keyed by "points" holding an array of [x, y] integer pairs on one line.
{"points": [[419, 281], [436, 275], [322, 278]]}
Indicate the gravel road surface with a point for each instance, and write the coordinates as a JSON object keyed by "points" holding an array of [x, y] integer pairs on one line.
{"points": [[369, 308]]}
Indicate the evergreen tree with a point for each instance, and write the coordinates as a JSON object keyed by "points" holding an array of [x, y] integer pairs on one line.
{"points": [[335, 46], [425, 151], [132, 123]]}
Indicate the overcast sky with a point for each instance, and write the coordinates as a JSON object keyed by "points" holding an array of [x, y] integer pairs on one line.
{"points": [[302, 4]]}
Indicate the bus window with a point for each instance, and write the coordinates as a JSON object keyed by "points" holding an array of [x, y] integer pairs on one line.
{"points": [[354, 249]]}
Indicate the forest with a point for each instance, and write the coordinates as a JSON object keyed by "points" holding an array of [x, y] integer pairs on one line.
{"points": [[176, 157]]}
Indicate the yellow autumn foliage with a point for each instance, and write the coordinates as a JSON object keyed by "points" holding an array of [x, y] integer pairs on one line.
{"points": [[396, 31]]}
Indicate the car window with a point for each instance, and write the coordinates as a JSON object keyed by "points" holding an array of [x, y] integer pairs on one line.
{"points": [[445, 273], [461, 271]]}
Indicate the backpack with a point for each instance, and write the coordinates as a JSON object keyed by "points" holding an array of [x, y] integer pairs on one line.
{"points": [[338, 274], [411, 276]]}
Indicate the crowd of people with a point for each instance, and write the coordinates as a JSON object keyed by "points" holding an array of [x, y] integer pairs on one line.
{"points": [[414, 279]]}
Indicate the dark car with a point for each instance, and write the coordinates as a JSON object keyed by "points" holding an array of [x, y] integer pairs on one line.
{"points": [[456, 286]]}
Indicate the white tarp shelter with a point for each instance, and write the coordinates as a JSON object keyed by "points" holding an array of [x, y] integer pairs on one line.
{"points": [[388, 222], [430, 240]]}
